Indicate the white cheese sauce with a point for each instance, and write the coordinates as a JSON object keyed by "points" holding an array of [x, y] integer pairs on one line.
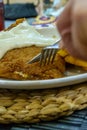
{"points": [[23, 35]]}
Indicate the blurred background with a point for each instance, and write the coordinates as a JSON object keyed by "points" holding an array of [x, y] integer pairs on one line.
{"points": [[36, 11]]}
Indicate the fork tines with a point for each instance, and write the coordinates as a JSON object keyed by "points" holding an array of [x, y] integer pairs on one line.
{"points": [[48, 56]]}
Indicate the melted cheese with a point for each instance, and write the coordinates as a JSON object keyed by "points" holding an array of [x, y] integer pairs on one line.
{"points": [[23, 35]]}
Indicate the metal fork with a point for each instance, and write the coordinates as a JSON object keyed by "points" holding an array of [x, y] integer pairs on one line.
{"points": [[47, 54]]}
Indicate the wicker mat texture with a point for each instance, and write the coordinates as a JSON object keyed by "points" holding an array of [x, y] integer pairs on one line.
{"points": [[77, 121], [22, 106]]}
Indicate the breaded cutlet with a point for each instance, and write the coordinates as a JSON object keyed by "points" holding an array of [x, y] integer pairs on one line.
{"points": [[14, 64]]}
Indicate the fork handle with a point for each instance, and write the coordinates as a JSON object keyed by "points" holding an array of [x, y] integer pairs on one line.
{"points": [[57, 42], [36, 58]]}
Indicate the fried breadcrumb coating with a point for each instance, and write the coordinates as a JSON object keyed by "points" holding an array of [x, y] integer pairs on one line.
{"points": [[14, 65]]}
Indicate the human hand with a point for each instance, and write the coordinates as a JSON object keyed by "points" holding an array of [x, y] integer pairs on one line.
{"points": [[72, 25]]}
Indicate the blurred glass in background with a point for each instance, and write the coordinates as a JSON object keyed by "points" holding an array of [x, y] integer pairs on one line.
{"points": [[53, 7], [1, 15]]}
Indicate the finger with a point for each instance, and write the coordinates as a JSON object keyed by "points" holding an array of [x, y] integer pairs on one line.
{"points": [[64, 20], [79, 28], [61, 44], [64, 26]]}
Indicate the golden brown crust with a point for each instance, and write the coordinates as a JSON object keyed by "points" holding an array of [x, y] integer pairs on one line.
{"points": [[18, 21], [14, 65]]}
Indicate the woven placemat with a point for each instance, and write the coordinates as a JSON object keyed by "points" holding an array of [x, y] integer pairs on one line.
{"points": [[31, 106], [76, 121]]}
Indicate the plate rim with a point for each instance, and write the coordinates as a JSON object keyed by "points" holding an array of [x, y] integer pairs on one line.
{"points": [[42, 84], [25, 84]]}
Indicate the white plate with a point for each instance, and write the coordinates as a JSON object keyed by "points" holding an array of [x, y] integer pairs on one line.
{"points": [[42, 84]]}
